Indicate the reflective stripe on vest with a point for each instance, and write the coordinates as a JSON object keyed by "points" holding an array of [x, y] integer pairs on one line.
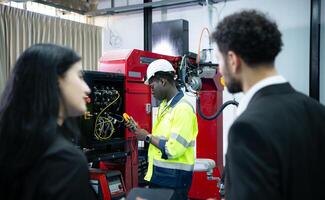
{"points": [[182, 141], [170, 165]]}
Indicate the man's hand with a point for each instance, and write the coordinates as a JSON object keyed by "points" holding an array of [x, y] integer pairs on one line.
{"points": [[141, 133], [131, 124]]}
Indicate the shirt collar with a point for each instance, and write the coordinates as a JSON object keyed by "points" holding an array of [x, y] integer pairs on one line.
{"points": [[273, 80], [173, 101]]}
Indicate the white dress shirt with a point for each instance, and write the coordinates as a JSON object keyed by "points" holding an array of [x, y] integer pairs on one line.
{"points": [[273, 80]]}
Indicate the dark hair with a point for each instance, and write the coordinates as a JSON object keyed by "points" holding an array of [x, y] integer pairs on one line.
{"points": [[30, 104], [250, 34]]}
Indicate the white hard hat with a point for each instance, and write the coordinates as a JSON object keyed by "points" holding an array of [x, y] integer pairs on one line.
{"points": [[159, 65]]}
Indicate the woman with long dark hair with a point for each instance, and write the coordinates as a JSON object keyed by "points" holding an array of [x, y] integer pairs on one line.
{"points": [[37, 159]]}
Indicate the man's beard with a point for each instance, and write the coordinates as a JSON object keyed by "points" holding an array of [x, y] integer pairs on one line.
{"points": [[234, 86]]}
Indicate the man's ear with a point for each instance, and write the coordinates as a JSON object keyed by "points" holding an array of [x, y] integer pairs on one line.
{"points": [[234, 62], [163, 81]]}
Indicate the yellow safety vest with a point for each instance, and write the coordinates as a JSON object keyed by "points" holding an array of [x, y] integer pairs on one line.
{"points": [[176, 127]]}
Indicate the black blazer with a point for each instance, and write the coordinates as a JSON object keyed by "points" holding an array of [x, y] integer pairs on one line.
{"points": [[60, 174], [276, 148]]}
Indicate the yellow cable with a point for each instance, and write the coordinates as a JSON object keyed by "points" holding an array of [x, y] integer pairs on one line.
{"points": [[102, 124], [99, 136], [95, 128]]}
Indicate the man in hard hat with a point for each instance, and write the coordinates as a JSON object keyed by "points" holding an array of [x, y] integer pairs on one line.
{"points": [[171, 142]]}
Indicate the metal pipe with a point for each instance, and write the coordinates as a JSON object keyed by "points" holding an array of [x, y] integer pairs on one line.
{"points": [[137, 7], [314, 63], [147, 22]]}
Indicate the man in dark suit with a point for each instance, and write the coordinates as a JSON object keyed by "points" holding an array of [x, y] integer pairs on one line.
{"points": [[276, 144]]}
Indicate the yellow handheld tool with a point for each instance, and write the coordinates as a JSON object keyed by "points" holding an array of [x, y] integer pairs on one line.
{"points": [[128, 119]]}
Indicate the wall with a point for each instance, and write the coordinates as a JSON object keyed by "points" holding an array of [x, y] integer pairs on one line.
{"points": [[292, 16], [124, 31]]}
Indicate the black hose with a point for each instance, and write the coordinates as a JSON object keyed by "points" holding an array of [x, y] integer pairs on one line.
{"points": [[212, 117]]}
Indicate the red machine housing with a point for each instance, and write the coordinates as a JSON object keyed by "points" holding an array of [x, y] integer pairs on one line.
{"points": [[134, 63], [209, 142]]}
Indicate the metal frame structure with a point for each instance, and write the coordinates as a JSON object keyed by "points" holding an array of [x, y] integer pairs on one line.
{"points": [[314, 62], [147, 26], [60, 6], [149, 4], [146, 4], [113, 9]]}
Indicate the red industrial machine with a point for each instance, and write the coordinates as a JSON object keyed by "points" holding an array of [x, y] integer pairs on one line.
{"points": [[132, 64], [209, 143], [107, 184], [137, 99]]}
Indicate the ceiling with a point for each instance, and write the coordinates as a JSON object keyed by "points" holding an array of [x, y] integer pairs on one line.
{"points": [[109, 7]]}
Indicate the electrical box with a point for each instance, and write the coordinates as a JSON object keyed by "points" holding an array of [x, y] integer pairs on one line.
{"points": [[103, 124]]}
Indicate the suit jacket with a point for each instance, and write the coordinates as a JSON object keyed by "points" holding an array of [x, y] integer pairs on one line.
{"points": [[276, 148]]}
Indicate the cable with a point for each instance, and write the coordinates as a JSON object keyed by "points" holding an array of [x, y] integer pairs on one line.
{"points": [[100, 123], [198, 53], [214, 116], [114, 115], [100, 127]]}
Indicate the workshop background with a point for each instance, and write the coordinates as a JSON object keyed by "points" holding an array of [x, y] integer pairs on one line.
{"points": [[93, 27]]}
